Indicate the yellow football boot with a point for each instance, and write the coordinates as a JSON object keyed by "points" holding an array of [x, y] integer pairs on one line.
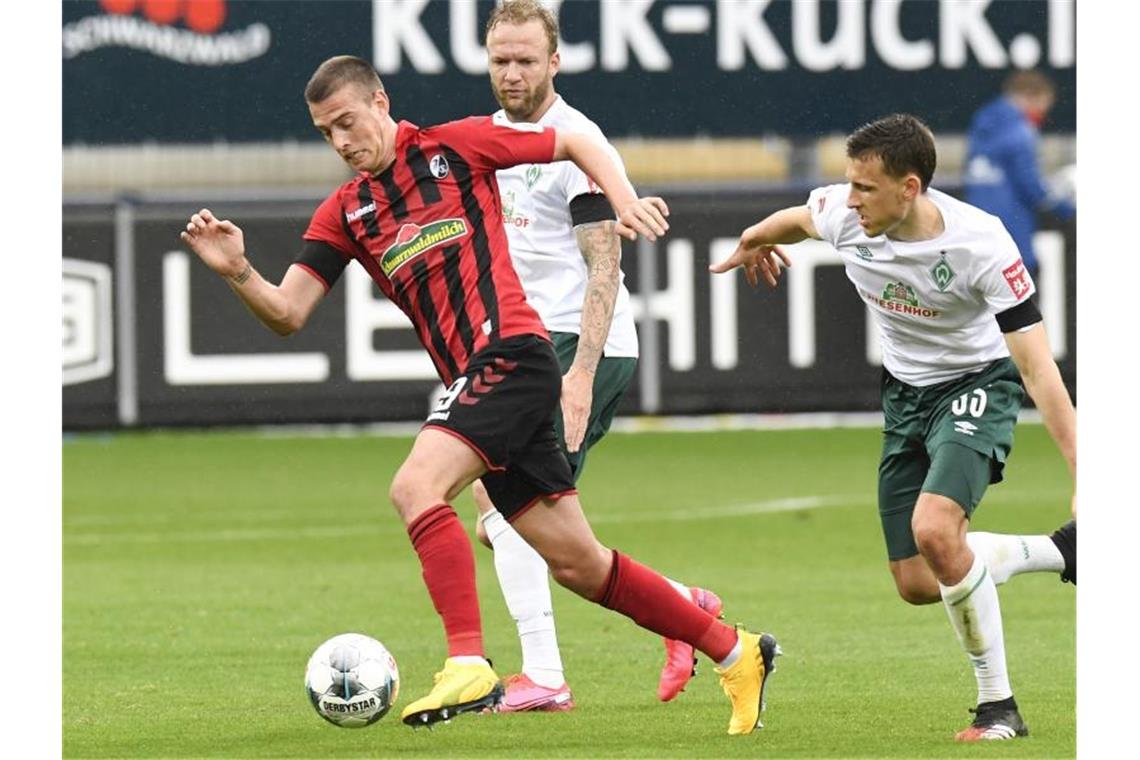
{"points": [[743, 681], [459, 688]]}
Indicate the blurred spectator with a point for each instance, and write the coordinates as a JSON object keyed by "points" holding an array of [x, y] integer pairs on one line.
{"points": [[1002, 175]]}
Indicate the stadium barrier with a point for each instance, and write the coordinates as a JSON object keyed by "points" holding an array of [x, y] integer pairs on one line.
{"points": [[153, 338]]}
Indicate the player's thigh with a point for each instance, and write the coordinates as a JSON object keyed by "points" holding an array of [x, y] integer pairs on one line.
{"points": [[977, 412], [902, 471], [954, 485], [439, 466]]}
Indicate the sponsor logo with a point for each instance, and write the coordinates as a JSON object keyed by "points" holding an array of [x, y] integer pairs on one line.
{"points": [[158, 32], [901, 298], [438, 166], [861, 251], [533, 173], [364, 705], [1017, 277], [412, 240], [965, 427], [352, 216], [510, 218], [942, 273]]}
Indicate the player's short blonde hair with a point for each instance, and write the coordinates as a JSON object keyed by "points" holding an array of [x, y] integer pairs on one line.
{"points": [[519, 12]]}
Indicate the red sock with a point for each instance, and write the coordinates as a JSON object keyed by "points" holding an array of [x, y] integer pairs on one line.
{"points": [[640, 593], [449, 574]]}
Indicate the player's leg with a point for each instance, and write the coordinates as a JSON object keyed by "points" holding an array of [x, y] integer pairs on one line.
{"points": [[558, 530], [439, 466], [524, 581], [1008, 555], [612, 378], [957, 479]]}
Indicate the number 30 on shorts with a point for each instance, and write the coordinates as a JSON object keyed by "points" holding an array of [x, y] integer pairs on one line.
{"points": [[973, 402]]}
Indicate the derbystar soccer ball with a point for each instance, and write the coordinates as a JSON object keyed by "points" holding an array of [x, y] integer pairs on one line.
{"points": [[352, 680]]}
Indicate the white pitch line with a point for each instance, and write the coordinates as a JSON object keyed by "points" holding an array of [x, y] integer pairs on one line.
{"points": [[336, 531]]}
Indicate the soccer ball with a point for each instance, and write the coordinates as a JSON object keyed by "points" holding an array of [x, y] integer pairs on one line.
{"points": [[352, 680]]}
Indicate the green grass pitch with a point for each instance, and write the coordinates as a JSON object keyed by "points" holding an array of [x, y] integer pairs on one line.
{"points": [[201, 570]]}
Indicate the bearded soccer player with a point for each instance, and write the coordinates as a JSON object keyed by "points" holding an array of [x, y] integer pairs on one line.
{"points": [[962, 342], [561, 232], [424, 218]]}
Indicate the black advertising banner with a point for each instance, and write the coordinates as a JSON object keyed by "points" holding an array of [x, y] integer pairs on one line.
{"points": [[190, 72], [152, 338]]}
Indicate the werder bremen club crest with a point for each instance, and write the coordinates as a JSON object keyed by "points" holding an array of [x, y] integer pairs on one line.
{"points": [[942, 273]]}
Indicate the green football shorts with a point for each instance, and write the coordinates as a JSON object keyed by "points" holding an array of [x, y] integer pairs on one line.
{"points": [[950, 439], [613, 376]]}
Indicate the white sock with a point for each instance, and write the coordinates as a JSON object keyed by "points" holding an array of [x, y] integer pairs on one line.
{"points": [[524, 579], [733, 656], [972, 604], [1007, 555]]}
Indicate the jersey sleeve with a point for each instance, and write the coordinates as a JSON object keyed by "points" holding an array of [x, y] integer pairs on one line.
{"points": [[1003, 280], [490, 146], [828, 206], [329, 248], [576, 183]]}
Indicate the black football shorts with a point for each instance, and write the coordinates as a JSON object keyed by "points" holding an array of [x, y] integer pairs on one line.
{"points": [[503, 407]]}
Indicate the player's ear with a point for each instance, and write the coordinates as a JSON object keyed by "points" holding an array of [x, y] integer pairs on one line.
{"points": [[555, 63], [380, 99], [912, 186]]}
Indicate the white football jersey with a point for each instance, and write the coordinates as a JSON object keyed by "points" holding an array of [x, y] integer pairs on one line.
{"points": [[933, 300], [536, 213]]}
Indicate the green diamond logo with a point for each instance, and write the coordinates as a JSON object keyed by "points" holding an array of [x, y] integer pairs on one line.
{"points": [[943, 273]]}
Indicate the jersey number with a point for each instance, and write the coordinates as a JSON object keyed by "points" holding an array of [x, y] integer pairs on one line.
{"points": [[447, 398], [974, 403]]}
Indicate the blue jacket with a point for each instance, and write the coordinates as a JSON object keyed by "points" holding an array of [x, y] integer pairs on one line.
{"points": [[1002, 176]]}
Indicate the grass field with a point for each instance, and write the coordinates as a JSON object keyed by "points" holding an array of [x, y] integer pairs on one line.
{"points": [[201, 570]]}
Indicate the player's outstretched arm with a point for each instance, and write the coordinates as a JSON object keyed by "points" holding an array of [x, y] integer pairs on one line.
{"points": [[636, 216], [1030, 352], [220, 244], [758, 251]]}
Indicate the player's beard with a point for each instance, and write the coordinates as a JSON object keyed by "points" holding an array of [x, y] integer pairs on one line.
{"points": [[521, 109]]}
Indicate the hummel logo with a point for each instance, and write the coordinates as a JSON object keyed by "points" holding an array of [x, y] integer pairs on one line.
{"points": [[352, 216], [965, 427]]}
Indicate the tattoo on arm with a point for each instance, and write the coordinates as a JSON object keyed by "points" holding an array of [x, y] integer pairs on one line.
{"points": [[601, 248]]}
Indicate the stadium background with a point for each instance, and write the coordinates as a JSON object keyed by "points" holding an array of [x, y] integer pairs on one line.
{"points": [[728, 109]]}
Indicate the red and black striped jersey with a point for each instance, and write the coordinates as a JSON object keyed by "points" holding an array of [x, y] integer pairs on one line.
{"points": [[429, 231]]}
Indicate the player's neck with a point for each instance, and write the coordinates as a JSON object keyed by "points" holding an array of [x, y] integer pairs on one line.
{"points": [[924, 222]]}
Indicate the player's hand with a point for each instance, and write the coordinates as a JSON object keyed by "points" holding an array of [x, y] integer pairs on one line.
{"points": [[218, 242], [645, 216], [577, 396], [758, 260]]}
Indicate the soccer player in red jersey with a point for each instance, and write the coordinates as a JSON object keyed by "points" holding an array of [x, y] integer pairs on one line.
{"points": [[424, 218]]}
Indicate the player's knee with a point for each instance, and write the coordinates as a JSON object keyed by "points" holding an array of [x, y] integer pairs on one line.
{"points": [[935, 539], [405, 493], [583, 572]]}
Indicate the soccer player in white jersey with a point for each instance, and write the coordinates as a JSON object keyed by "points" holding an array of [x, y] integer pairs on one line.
{"points": [[952, 300], [561, 233]]}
